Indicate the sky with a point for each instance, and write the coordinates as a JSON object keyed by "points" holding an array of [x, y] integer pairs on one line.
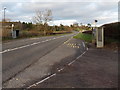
{"points": [[64, 12]]}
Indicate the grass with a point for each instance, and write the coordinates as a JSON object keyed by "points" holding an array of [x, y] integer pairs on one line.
{"points": [[85, 37], [31, 36], [110, 43]]}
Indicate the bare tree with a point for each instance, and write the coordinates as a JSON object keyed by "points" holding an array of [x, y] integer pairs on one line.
{"points": [[38, 18], [47, 16], [43, 17]]}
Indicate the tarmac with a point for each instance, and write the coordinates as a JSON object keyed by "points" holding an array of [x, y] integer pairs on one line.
{"points": [[96, 68], [48, 65], [76, 66]]}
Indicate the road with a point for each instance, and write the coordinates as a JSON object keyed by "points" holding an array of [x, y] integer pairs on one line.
{"points": [[20, 54], [41, 62], [97, 68]]}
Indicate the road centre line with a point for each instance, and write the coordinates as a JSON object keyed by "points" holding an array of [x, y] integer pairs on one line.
{"points": [[8, 50]]}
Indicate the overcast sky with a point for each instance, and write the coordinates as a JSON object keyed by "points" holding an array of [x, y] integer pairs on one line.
{"points": [[63, 11]]}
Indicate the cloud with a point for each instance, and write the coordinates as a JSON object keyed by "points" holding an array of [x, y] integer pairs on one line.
{"points": [[63, 22], [83, 12], [59, 1]]}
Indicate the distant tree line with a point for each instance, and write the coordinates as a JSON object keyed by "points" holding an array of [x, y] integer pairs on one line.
{"points": [[26, 25]]}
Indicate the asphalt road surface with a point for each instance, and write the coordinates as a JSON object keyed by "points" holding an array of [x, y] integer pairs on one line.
{"points": [[20, 54]]}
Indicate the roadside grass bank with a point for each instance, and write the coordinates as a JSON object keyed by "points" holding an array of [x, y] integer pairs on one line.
{"points": [[84, 37], [7, 39], [109, 43]]}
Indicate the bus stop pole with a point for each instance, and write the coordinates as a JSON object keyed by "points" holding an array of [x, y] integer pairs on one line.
{"points": [[94, 33]]}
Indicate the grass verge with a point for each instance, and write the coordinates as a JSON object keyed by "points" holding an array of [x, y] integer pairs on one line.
{"points": [[85, 37], [7, 39]]}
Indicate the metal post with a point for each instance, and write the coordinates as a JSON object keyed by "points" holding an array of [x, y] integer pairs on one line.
{"points": [[94, 33]]}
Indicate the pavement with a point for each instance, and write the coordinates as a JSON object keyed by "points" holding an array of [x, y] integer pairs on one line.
{"points": [[96, 68]]}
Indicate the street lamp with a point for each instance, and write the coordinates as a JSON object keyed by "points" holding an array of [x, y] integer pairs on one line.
{"points": [[4, 13]]}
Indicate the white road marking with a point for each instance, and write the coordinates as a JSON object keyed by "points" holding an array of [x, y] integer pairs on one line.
{"points": [[46, 40], [33, 38], [41, 81], [77, 58], [43, 41], [83, 44], [31, 86], [49, 39], [55, 73], [87, 48], [67, 41], [7, 50], [71, 62], [60, 69], [33, 44], [45, 79], [54, 38]]}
